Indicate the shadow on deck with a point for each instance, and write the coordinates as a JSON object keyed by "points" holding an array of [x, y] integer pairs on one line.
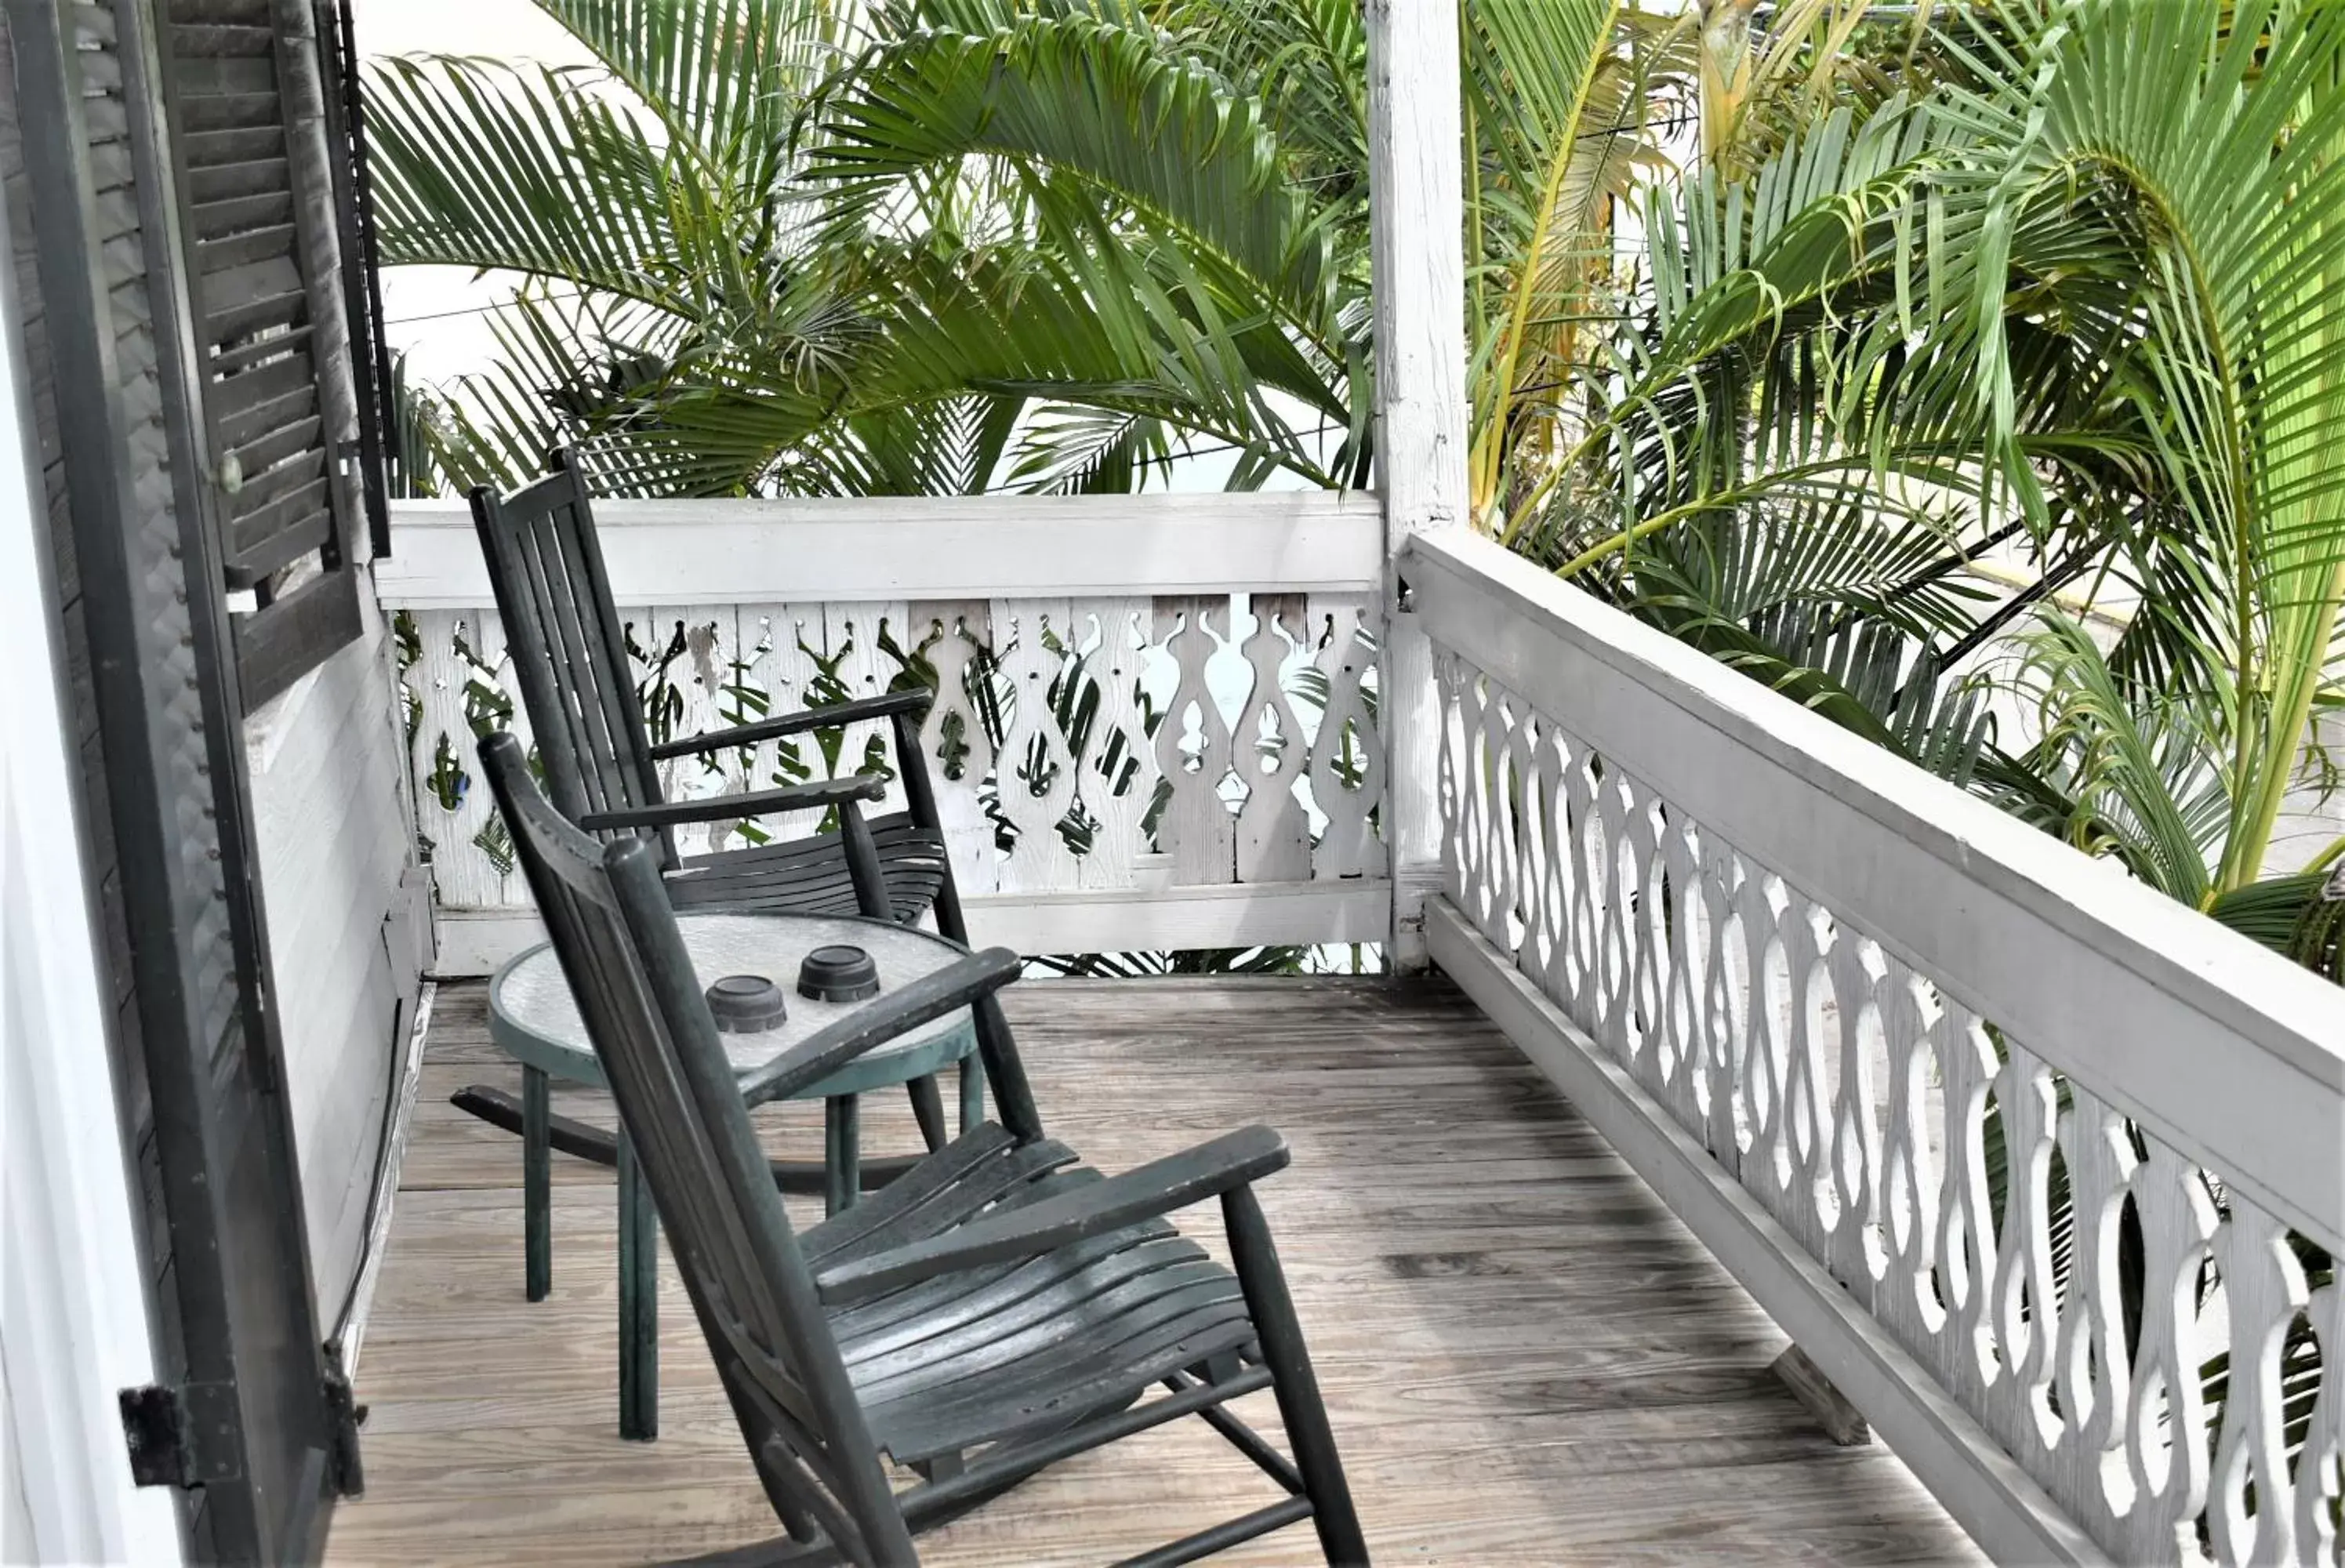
{"points": [[1527, 1358]]}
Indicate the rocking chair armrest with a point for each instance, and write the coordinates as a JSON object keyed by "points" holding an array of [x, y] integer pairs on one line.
{"points": [[929, 998], [817, 796], [888, 704], [1234, 1159]]}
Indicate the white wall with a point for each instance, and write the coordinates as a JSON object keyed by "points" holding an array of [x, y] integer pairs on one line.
{"points": [[2311, 818], [15, 1506], [327, 766]]}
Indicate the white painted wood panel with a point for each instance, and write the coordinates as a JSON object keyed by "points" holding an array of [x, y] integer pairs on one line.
{"points": [[1417, 225], [349, 1334], [16, 1502], [1112, 641], [696, 645], [779, 644], [956, 633], [961, 547], [327, 762], [1348, 764]]}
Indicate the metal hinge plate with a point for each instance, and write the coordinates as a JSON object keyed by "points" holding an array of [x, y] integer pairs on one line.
{"points": [[346, 1413], [182, 1435]]}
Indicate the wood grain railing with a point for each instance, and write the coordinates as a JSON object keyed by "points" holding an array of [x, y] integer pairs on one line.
{"points": [[2046, 1172], [1155, 725]]}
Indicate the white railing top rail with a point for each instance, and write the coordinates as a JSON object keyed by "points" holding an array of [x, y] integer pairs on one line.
{"points": [[927, 548], [2223, 1048]]}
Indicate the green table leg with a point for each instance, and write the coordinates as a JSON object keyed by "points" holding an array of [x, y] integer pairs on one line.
{"points": [[842, 1154], [972, 1092], [536, 1184], [929, 1110], [638, 1301]]}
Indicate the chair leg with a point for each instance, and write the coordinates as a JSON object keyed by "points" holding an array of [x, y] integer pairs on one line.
{"points": [[972, 1092], [638, 1301], [1300, 1407], [929, 1110], [842, 1154], [536, 1184]]}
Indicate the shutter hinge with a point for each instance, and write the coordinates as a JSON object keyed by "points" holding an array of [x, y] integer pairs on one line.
{"points": [[182, 1435], [345, 1413]]}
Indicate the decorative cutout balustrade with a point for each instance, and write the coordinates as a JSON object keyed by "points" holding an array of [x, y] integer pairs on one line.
{"points": [[1167, 751], [2051, 1168], [2046, 1173]]}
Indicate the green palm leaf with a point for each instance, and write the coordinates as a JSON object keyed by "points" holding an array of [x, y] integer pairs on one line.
{"points": [[482, 165], [1110, 108], [2214, 131]]}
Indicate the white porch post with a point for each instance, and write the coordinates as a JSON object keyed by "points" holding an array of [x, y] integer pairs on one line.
{"points": [[1417, 215]]}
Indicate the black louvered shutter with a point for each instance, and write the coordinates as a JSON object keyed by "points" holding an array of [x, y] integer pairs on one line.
{"points": [[247, 1419], [253, 117], [370, 366]]}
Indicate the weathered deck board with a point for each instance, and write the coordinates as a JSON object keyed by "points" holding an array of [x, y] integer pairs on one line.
{"points": [[1527, 1358]]}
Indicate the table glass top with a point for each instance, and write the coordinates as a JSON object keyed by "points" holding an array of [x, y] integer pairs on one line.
{"points": [[530, 996]]}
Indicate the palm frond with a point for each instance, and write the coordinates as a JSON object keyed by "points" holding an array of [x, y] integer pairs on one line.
{"points": [[1111, 109], [484, 164], [2213, 132], [1562, 98], [2143, 781], [723, 77]]}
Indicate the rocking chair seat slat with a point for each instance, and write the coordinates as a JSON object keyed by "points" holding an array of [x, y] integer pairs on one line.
{"points": [[988, 1353], [935, 1301], [1143, 1275], [937, 1173], [1099, 1365], [1006, 1177], [1000, 1294], [809, 876]]}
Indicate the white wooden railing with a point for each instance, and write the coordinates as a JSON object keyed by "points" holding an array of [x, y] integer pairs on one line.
{"points": [[1155, 725], [1861, 1031], [2023, 1154]]}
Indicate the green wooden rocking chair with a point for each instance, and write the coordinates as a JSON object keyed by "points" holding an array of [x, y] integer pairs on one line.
{"points": [[568, 645], [994, 1310]]}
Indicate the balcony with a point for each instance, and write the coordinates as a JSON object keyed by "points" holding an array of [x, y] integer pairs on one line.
{"points": [[1530, 1361], [1748, 1031]]}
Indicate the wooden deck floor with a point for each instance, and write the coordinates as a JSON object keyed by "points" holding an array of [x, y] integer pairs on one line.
{"points": [[1527, 1358]]}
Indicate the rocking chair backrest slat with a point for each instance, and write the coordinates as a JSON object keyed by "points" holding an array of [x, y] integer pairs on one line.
{"points": [[568, 643], [607, 912]]}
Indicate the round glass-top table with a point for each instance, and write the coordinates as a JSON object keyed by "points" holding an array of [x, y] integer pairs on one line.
{"points": [[533, 1019]]}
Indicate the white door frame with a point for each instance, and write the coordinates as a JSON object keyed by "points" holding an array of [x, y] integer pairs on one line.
{"points": [[74, 1327]]}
